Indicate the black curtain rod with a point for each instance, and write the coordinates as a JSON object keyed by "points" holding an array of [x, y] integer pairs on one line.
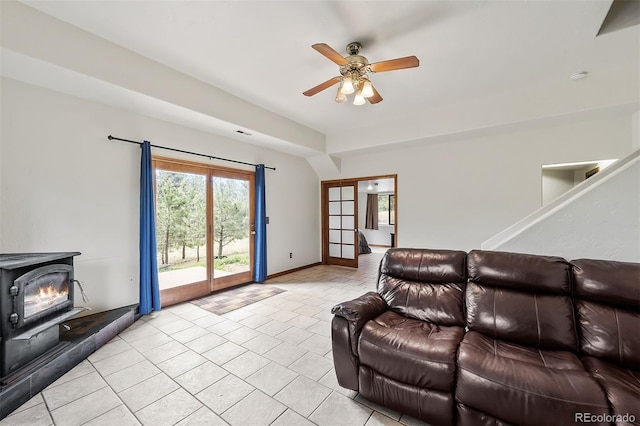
{"points": [[210, 157]]}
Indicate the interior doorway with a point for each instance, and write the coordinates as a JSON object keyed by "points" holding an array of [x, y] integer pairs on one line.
{"points": [[346, 230]]}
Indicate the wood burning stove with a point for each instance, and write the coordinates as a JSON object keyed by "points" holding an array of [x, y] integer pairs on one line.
{"points": [[36, 295]]}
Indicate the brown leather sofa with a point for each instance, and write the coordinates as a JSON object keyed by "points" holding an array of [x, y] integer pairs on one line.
{"points": [[495, 338]]}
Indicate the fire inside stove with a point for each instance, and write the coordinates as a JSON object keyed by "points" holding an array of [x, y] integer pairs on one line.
{"points": [[45, 292]]}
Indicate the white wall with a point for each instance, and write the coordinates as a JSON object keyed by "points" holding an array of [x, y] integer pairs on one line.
{"points": [[555, 183], [602, 222], [458, 194], [65, 187], [635, 130]]}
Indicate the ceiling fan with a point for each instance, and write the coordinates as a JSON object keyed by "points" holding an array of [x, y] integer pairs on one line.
{"points": [[354, 73]]}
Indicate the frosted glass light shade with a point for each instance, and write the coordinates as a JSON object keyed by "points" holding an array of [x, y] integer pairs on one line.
{"points": [[347, 86], [359, 99], [367, 89]]}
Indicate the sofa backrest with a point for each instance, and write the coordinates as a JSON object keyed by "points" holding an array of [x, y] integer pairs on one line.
{"points": [[424, 284], [607, 299], [521, 298]]}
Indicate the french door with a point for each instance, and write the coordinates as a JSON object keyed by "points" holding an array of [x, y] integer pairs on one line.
{"points": [[340, 223], [204, 228]]}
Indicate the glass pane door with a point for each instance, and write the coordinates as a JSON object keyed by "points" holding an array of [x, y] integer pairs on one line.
{"points": [[232, 230], [181, 232], [341, 224]]}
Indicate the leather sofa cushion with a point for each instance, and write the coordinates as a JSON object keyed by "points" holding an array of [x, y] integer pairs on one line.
{"points": [[424, 284], [411, 351], [425, 265], [608, 310], [521, 298], [439, 303], [608, 282], [524, 385], [622, 387], [500, 350], [538, 320], [609, 333], [523, 272]]}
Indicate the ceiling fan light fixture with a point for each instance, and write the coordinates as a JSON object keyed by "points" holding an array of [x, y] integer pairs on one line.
{"points": [[359, 99], [347, 86], [354, 73], [367, 89]]}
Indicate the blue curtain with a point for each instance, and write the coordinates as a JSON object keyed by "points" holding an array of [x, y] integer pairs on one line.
{"points": [[149, 288], [260, 264]]}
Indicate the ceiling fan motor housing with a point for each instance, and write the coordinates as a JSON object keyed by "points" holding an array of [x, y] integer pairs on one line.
{"points": [[357, 66]]}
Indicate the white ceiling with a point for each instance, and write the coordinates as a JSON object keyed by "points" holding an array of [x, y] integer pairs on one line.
{"points": [[260, 51]]}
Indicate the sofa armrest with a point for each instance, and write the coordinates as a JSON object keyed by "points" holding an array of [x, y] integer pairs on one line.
{"points": [[357, 312], [362, 309]]}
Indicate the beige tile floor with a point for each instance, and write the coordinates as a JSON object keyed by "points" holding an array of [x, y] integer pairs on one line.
{"points": [[268, 363]]}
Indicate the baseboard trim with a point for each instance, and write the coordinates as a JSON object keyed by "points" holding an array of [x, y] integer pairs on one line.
{"points": [[379, 245], [300, 268]]}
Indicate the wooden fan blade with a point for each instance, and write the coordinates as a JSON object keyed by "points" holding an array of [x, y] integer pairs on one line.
{"points": [[395, 64], [320, 87], [328, 51], [376, 96]]}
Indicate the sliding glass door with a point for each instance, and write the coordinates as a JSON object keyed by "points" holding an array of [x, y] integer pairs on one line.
{"points": [[204, 224], [232, 229]]}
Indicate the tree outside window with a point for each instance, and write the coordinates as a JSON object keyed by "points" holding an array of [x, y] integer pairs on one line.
{"points": [[230, 213], [386, 209], [180, 215]]}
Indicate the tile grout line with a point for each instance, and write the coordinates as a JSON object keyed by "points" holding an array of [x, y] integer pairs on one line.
{"points": [[116, 393], [70, 402], [319, 405], [68, 382], [309, 290]]}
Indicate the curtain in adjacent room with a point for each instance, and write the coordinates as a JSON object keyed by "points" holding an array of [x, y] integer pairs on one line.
{"points": [[149, 288], [260, 261], [371, 219]]}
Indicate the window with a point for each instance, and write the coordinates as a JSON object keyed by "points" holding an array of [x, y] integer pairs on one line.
{"points": [[386, 209], [392, 209]]}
